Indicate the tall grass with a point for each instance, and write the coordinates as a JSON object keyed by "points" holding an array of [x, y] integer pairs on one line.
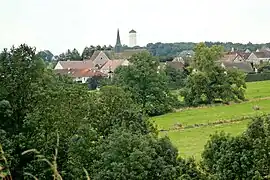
{"points": [[4, 170]]}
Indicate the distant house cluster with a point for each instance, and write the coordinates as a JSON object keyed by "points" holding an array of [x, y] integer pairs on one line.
{"points": [[101, 63], [245, 61]]}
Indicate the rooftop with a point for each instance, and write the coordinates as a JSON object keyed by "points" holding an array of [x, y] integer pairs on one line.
{"points": [[132, 31]]}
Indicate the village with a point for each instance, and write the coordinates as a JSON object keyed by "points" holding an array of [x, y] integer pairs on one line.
{"points": [[104, 62]]}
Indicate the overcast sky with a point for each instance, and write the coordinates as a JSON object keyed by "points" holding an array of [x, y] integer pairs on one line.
{"points": [[61, 24]]}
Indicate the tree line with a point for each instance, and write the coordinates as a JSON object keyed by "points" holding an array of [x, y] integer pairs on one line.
{"points": [[51, 127], [165, 51]]}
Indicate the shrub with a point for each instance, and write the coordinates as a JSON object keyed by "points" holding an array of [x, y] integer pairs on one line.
{"points": [[257, 77]]}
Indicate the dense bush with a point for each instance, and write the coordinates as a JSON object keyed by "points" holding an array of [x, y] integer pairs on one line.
{"points": [[242, 157], [257, 77]]}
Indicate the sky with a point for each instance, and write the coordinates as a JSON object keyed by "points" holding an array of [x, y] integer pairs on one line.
{"points": [[58, 25]]}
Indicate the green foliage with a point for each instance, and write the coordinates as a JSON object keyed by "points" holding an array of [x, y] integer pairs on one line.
{"points": [[94, 127], [258, 77], [168, 50], [94, 82], [133, 156], [46, 55], [72, 55], [241, 157], [87, 52], [115, 108], [209, 81], [176, 77], [147, 84], [205, 57]]}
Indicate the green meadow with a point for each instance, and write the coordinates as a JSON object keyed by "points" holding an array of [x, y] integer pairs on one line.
{"points": [[191, 141]]}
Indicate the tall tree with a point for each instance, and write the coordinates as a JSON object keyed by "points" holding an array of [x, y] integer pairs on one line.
{"points": [[46, 55], [88, 52], [22, 74], [75, 54], [147, 83], [209, 81]]}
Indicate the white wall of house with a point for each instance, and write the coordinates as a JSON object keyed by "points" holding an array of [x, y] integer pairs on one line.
{"points": [[58, 66], [238, 59], [101, 59], [253, 58], [81, 79]]}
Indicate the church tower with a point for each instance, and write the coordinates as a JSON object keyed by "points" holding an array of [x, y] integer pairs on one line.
{"points": [[118, 45]]}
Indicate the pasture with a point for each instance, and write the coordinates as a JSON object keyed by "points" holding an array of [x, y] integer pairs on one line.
{"points": [[190, 142]]}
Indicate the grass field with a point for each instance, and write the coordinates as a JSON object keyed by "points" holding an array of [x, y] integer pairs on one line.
{"points": [[258, 89], [211, 114], [190, 142]]}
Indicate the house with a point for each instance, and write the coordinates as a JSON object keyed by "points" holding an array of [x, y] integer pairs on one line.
{"points": [[103, 61], [80, 75], [235, 56], [85, 64], [111, 65], [178, 59], [259, 57], [99, 58], [242, 66]]}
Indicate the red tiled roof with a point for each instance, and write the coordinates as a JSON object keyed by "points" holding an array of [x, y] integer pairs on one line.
{"points": [[79, 72], [112, 64], [86, 64]]}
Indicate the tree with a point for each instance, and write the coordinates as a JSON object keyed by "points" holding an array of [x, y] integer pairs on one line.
{"points": [[75, 55], [241, 157], [147, 83], [21, 71], [46, 55], [176, 77], [62, 57], [129, 155], [21, 78], [209, 81], [115, 108], [62, 110], [87, 52]]}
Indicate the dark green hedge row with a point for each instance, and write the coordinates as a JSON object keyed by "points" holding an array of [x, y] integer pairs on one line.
{"points": [[257, 77]]}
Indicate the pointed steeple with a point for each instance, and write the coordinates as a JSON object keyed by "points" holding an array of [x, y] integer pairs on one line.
{"points": [[118, 45]]}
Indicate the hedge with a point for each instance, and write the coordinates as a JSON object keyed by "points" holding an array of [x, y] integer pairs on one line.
{"points": [[257, 77]]}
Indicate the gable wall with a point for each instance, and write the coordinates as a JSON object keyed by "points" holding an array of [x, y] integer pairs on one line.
{"points": [[58, 66], [101, 59]]}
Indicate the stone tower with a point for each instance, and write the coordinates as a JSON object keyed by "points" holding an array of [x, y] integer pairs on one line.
{"points": [[118, 46], [132, 38]]}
